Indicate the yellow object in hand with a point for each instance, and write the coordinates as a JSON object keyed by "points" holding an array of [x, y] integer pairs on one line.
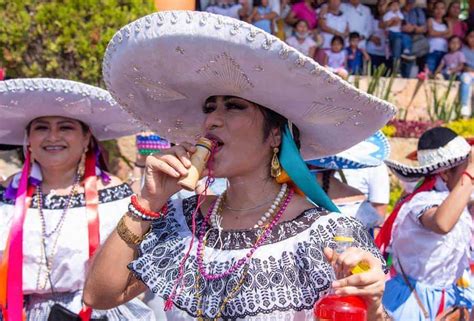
{"points": [[361, 267]]}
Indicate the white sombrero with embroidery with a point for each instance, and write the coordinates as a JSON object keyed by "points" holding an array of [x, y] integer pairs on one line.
{"points": [[163, 67], [22, 100], [369, 153], [438, 149]]}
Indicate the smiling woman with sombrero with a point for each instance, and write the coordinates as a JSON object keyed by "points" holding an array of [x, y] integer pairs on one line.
{"points": [[257, 251], [57, 211], [429, 231]]}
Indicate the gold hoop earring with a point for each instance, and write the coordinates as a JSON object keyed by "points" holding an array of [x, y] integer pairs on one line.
{"points": [[275, 169]]}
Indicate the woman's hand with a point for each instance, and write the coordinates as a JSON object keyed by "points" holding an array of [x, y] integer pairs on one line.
{"points": [[162, 173], [369, 285]]}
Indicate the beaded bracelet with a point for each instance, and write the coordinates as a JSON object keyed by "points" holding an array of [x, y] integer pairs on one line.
{"points": [[136, 210], [128, 236]]}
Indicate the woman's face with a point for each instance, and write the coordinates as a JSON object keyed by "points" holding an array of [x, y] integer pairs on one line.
{"points": [[470, 39], [381, 6], [301, 27], [394, 6], [237, 125], [454, 10], [334, 4], [57, 141], [439, 10]]}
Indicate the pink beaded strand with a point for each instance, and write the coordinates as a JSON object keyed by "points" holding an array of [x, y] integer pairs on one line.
{"points": [[247, 257]]}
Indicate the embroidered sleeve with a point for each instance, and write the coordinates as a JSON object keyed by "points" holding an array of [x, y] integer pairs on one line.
{"points": [[424, 201]]}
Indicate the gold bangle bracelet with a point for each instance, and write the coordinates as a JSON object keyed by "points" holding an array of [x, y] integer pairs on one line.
{"points": [[128, 236]]}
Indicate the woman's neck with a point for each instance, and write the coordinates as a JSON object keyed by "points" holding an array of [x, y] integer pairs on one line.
{"points": [[55, 178], [251, 190]]}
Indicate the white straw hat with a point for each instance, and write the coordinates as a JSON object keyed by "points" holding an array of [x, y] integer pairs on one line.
{"points": [[22, 100], [163, 67], [439, 149]]}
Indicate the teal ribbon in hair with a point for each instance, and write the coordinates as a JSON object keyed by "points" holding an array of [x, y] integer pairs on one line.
{"points": [[295, 167]]}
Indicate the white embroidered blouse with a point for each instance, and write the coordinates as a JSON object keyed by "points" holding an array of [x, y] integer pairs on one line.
{"points": [[286, 275], [70, 259]]}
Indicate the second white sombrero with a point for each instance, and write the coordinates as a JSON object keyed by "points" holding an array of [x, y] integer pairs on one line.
{"points": [[22, 100]]}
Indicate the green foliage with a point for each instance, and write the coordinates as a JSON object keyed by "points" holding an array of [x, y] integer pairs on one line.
{"points": [[62, 39], [443, 109], [396, 192], [378, 86]]}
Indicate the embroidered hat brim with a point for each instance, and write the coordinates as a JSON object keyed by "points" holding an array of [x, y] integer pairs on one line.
{"points": [[433, 161], [369, 153], [163, 67], [22, 100]]}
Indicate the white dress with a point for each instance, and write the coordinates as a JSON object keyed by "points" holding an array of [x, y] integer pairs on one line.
{"points": [[432, 262], [70, 261], [438, 43], [286, 275]]}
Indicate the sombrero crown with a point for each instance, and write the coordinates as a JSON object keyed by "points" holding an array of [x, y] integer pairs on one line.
{"points": [[439, 149], [164, 66]]}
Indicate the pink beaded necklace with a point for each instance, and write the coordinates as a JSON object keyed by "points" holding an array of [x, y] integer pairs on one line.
{"points": [[246, 258]]}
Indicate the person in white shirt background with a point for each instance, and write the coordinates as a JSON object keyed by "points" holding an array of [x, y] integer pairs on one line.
{"points": [[302, 39], [374, 182], [400, 42], [333, 22], [360, 19]]}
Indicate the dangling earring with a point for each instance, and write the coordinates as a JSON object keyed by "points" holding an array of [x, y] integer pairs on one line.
{"points": [[32, 157], [82, 164], [275, 170]]}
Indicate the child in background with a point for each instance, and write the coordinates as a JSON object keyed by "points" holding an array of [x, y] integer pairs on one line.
{"points": [[337, 57], [303, 39], [355, 55], [438, 33], [400, 43], [454, 61], [467, 77], [262, 16]]}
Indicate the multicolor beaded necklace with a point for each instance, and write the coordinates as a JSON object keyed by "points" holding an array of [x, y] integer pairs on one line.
{"points": [[245, 262], [261, 239]]}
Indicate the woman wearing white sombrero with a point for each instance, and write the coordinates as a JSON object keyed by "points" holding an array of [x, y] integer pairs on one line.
{"points": [[257, 251], [57, 211], [369, 153], [429, 232]]}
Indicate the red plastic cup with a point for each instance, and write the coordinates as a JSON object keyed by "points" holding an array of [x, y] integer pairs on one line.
{"points": [[340, 308]]}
